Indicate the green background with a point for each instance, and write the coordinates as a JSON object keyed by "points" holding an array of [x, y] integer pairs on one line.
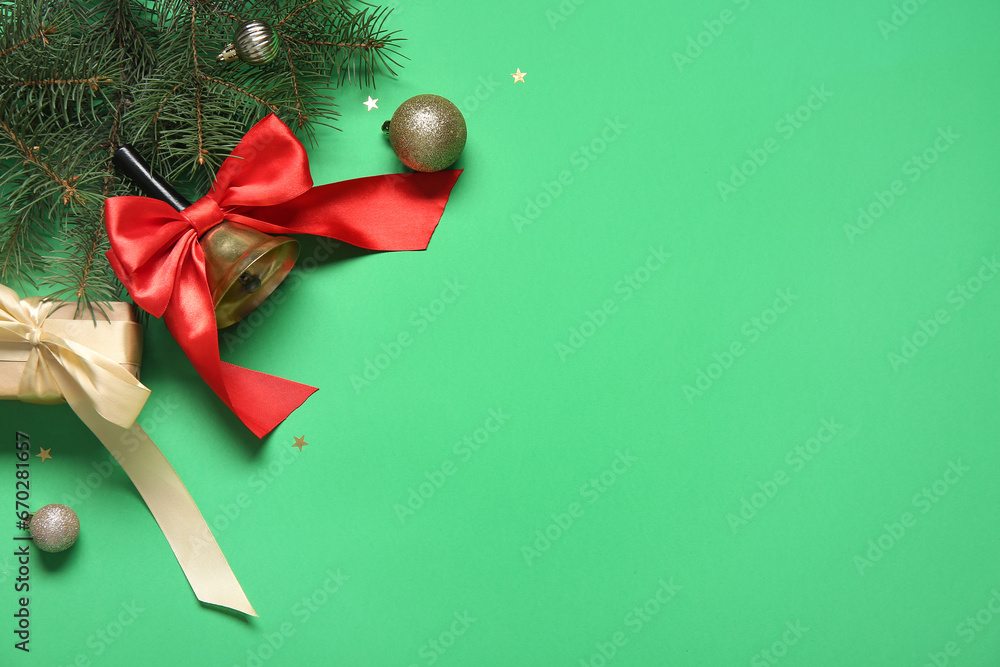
{"points": [[761, 495]]}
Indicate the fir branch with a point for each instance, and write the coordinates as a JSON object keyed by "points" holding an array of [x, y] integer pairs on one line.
{"points": [[341, 45], [21, 243], [159, 108], [41, 34], [301, 118], [197, 73], [358, 45], [130, 29], [92, 246], [241, 91], [112, 145], [295, 11], [93, 82], [80, 269], [68, 184]]}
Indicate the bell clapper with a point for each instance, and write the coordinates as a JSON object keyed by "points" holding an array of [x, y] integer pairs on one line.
{"points": [[249, 282]]}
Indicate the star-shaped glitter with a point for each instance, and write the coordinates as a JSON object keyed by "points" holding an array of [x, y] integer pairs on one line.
{"points": [[518, 75], [371, 103], [300, 442], [44, 454]]}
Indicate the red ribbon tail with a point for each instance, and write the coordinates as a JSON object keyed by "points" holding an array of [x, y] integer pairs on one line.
{"points": [[389, 212], [260, 400]]}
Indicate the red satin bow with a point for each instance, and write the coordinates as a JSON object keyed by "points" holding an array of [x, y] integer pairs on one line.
{"points": [[264, 184]]}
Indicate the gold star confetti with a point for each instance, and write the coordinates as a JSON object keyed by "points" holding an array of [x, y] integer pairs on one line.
{"points": [[371, 103], [518, 75], [45, 454], [300, 443]]}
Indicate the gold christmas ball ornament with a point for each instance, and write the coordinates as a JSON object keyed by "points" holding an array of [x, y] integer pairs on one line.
{"points": [[254, 43], [54, 528], [427, 133]]}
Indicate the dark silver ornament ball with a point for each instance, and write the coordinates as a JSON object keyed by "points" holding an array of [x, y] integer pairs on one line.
{"points": [[427, 133], [254, 43], [54, 528]]}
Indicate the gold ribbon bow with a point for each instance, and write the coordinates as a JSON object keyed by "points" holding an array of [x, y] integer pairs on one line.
{"points": [[108, 399]]}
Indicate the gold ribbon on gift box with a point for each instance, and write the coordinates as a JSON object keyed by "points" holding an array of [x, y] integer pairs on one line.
{"points": [[48, 356]]}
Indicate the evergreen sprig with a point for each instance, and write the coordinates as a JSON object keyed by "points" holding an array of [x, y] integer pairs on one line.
{"points": [[79, 79]]}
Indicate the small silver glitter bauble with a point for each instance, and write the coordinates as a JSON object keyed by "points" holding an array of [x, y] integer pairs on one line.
{"points": [[427, 133], [54, 528], [254, 43]]}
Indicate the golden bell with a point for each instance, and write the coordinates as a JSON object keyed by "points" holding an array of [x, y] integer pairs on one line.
{"points": [[244, 266]]}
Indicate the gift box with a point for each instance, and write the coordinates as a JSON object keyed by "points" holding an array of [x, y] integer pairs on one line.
{"points": [[111, 331]]}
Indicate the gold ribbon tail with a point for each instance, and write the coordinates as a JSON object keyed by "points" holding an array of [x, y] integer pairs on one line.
{"points": [[171, 504], [197, 552]]}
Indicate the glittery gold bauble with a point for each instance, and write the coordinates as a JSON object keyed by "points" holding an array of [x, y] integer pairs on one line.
{"points": [[254, 43], [427, 133], [54, 528]]}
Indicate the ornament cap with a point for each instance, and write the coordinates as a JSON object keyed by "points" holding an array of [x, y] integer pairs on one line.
{"points": [[228, 54]]}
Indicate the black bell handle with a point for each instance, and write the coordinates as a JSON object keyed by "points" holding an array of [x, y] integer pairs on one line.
{"points": [[128, 160]]}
